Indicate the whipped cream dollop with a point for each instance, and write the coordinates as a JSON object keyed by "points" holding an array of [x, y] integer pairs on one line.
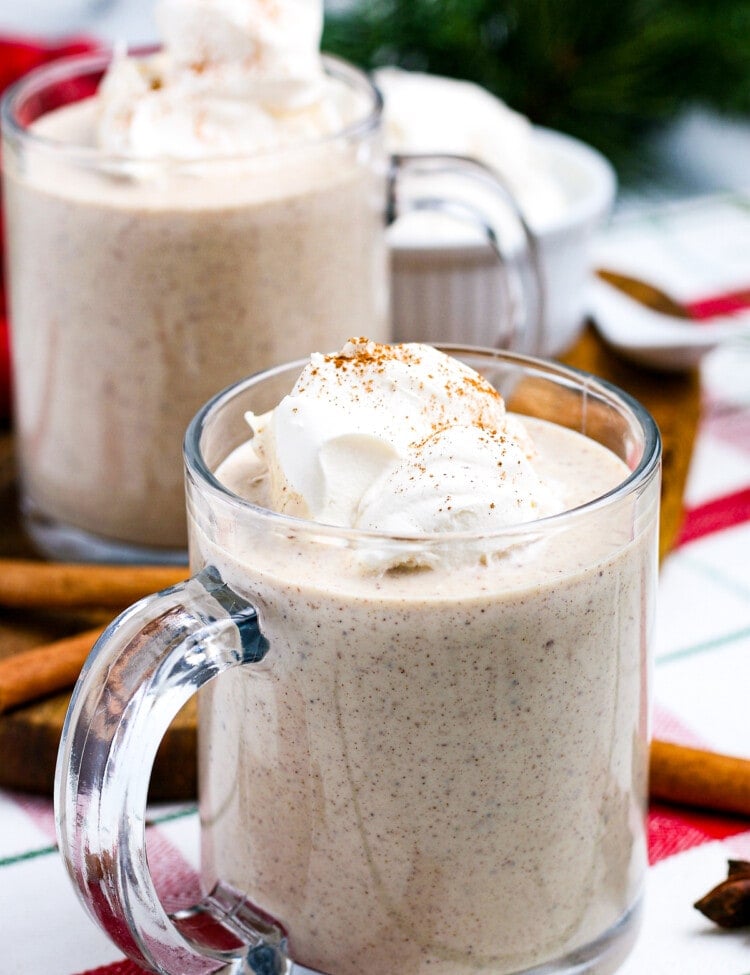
{"points": [[233, 77], [430, 113], [400, 439]]}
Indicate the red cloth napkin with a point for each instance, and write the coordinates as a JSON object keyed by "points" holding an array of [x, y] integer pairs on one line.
{"points": [[17, 57]]}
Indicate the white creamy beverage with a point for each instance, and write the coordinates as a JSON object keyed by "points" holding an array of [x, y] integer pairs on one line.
{"points": [[440, 766], [209, 221]]}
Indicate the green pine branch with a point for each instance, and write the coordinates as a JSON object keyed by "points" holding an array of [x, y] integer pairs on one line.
{"points": [[605, 72]]}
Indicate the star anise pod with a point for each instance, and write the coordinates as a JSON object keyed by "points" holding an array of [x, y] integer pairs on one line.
{"points": [[728, 904]]}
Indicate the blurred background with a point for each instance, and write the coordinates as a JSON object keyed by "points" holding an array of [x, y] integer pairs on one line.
{"points": [[661, 87]]}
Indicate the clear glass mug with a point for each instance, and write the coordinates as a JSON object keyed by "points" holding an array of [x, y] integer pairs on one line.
{"points": [[434, 770], [138, 288]]}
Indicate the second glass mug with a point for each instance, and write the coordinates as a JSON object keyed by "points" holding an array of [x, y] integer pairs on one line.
{"points": [[139, 287], [403, 771]]}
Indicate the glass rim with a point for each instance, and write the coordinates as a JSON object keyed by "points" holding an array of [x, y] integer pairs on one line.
{"points": [[62, 69], [198, 470]]}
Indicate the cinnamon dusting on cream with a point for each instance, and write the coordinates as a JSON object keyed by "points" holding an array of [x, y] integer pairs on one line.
{"points": [[398, 438]]}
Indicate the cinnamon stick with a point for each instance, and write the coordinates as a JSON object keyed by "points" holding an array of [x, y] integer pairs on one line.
{"points": [[694, 777], [44, 670], [25, 584]]}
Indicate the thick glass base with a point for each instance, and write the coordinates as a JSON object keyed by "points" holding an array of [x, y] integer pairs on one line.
{"points": [[65, 543], [600, 957]]}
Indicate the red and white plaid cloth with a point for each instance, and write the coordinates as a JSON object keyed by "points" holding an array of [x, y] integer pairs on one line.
{"points": [[701, 680]]}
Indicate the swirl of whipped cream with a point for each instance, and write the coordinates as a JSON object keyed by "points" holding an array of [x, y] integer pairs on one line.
{"points": [[233, 77], [461, 479], [275, 37], [402, 439]]}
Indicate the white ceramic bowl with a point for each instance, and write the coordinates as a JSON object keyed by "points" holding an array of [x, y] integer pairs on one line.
{"points": [[448, 286], [651, 338]]}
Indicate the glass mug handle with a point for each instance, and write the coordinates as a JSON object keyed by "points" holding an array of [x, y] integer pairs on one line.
{"points": [[143, 669], [476, 195]]}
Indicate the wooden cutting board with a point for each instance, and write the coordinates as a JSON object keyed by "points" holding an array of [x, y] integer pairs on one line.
{"points": [[29, 736]]}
